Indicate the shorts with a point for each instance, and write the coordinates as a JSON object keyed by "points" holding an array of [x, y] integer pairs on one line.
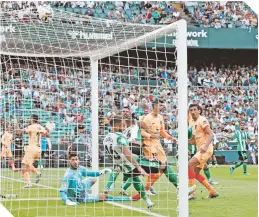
{"points": [[32, 153], [18, 153], [203, 158], [85, 197], [136, 149], [150, 167], [6, 152], [242, 155], [155, 152], [125, 168]]}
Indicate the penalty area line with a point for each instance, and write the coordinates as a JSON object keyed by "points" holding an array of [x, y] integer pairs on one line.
{"points": [[109, 202]]}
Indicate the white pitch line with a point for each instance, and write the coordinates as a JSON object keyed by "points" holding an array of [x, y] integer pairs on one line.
{"points": [[136, 209], [113, 203]]}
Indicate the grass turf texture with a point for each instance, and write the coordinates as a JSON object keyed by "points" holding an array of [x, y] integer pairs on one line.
{"points": [[238, 197]]}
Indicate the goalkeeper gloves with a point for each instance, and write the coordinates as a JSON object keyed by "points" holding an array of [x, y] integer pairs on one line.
{"points": [[104, 171], [71, 203]]}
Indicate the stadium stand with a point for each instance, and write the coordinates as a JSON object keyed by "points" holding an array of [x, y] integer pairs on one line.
{"points": [[216, 14], [53, 96], [58, 98]]}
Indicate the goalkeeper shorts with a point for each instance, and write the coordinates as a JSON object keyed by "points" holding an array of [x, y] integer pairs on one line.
{"points": [[84, 196]]}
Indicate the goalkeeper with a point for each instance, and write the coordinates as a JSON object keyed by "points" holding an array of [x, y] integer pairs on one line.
{"points": [[75, 184]]}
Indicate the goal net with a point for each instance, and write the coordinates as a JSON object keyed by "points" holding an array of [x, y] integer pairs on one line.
{"points": [[79, 76]]}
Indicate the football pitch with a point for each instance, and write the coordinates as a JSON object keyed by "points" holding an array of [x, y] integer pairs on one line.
{"points": [[238, 197]]}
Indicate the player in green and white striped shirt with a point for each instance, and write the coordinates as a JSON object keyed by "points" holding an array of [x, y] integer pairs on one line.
{"points": [[242, 137], [117, 147]]}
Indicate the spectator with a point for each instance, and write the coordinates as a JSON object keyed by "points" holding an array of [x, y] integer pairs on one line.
{"points": [[89, 12], [253, 149], [155, 15], [112, 14], [148, 5], [222, 145], [26, 91], [79, 118], [50, 126]]}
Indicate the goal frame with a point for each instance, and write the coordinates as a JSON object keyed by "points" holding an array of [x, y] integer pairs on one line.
{"points": [[181, 47], [181, 62]]}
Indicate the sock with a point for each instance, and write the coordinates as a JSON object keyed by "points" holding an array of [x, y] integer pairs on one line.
{"points": [[238, 164], [112, 198], [253, 158], [152, 179], [33, 169], [245, 167], [171, 175], [205, 183], [40, 162], [207, 173], [191, 176], [127, 184], [200, 178], [139, 187], [125, 178], [26, 176], [112, 178]]}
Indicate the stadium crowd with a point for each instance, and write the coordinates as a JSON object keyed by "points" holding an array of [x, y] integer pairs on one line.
{"points": [[227, 94], [216, 14]]}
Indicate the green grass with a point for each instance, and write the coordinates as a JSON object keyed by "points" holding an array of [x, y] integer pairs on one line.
{"points": [[238, 197]]}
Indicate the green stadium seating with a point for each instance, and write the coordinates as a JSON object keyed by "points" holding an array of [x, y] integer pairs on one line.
{"points": [[70, 10], [83, 10], [102, 15], [99, 10], [106, 11], [77, 10]]}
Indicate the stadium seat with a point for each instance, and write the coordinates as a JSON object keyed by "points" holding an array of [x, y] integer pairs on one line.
{"points": [[83, 10], [102, 15], [70, 10], [191, 9], [99, 10], [106, 11], [137, 11], [133, 7], [111, 6], [77, 10], [62, 9], [143, 11], [128, 11], [200, 4], [152, 21]]}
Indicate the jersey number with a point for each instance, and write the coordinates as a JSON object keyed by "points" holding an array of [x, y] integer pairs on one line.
{"points": [[111, 153]]}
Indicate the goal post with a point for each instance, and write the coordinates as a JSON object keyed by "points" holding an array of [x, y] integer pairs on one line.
{"points": [[181, 47], [128, 59], [183, 118]]}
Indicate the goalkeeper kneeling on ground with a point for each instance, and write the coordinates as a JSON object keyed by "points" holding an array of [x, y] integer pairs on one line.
{"points": [[76, 184]]}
